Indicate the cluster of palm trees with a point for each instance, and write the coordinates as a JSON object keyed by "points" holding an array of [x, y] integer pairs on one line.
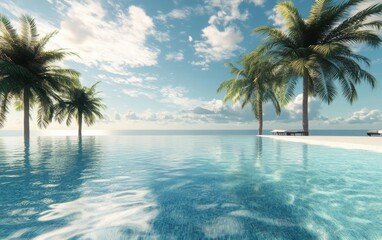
{"points": [[319, 50], [29, 78]]}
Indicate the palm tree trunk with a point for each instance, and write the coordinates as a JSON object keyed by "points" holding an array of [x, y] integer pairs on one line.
{"points": [[260, 114], [80, 124], [26, 116], [305, 95]]}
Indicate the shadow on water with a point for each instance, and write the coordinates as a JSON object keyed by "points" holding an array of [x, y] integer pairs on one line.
{"points": [[35, 176], [234, 200]]}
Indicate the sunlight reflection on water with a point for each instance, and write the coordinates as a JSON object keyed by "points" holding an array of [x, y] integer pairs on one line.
{"points": [[91, 216], [186, 187]]}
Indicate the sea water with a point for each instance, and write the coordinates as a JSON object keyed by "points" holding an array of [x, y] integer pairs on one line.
{"points": [[187, 187]]}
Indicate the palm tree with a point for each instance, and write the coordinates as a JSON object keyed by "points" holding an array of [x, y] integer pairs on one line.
{"points": [[254, 84], [319, 49], [81, 103], [27, 73]]}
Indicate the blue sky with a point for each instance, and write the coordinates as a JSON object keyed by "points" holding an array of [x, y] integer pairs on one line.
{"points": [[160, 62]]}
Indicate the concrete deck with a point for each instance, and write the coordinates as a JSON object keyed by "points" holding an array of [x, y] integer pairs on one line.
{"points": [[347, 142]]}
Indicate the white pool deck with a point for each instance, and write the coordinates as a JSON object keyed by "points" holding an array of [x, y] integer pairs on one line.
{"points": [[347, 142]]}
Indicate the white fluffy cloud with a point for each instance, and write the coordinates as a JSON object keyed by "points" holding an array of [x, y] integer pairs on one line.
{"points": [[228, 11], [360, 117], [365, 116], [175, 56], [221, 39], [217, 45], [111, 45]]}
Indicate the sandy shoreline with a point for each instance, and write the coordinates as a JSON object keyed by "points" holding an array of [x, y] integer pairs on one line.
{"points": [[348, 142]]}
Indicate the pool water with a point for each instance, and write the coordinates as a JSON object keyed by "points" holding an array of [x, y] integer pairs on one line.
{"points": [[187, 187]]}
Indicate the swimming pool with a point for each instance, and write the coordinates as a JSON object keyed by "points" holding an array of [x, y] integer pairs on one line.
{"points": [[187, 187]]}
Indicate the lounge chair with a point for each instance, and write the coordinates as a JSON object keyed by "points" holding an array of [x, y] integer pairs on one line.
{"points": [[278, 132], [374, 133], [289, 132], [296, 132]]}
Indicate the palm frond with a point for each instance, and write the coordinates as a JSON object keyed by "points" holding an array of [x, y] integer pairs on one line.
{"points": [[355, 22], [44, 40], [28, 31], [8, 32], [317, 11], [5, 99], [294, 21]]}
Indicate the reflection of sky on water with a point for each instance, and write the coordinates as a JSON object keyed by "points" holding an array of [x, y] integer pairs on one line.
{"points": [[186, 187], [95, 217]]}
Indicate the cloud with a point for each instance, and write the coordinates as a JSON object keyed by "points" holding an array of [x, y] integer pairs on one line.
{"points": [[196, 111], [181, 14], [365, 116], [217, 45], [258, 2], [162, 36], [141, 80], [131, 80], [221, 38], [137, 93], [43, 26], [175, 56], [175, 14], [189, 38], [150, 116], [109, 43], [13, 9], [176, 96], [294, 108], [194, 116], [200, 110], [292, 112], [227, 11], [131, 116], [335, 121]]}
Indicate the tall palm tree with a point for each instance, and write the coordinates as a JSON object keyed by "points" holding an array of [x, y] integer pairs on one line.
{"points": [[82, 104], [27, 73], [319, 49], [254, 84]]}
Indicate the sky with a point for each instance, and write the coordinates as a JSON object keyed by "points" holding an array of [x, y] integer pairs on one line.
{"points": [[159, 63]]}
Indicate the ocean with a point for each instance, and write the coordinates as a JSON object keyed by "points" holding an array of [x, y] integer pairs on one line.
{"points": [[9, 133]]}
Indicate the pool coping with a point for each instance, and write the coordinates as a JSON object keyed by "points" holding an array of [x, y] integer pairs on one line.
{"points": [[347, 142]]}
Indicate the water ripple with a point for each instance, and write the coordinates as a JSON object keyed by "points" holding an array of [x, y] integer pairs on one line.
{"points": [[93, 215]]}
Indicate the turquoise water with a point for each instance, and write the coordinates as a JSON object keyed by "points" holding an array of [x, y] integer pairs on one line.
{"points": [[187, 187]]}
